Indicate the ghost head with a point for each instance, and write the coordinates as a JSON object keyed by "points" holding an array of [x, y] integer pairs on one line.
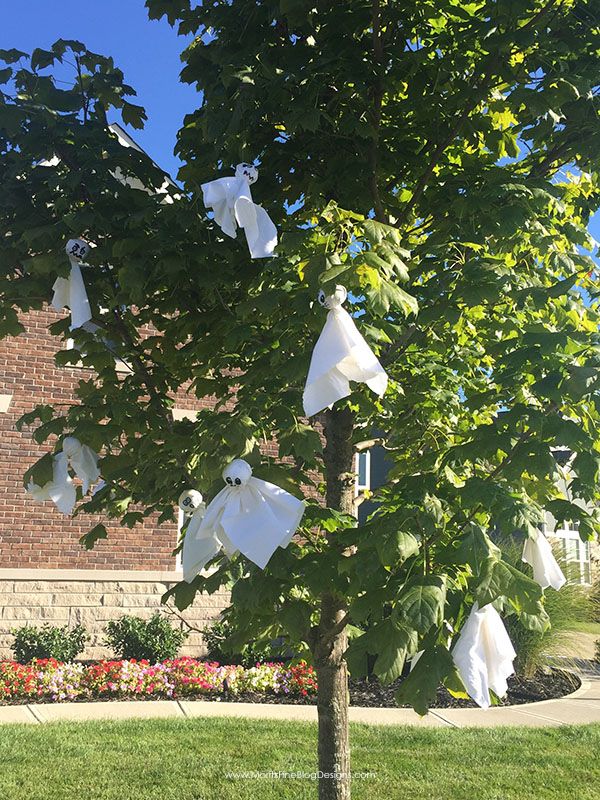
{"points": [[189, 501], [238, 473], [247, 171], [77, 249], [334, 300], [71, 446]]}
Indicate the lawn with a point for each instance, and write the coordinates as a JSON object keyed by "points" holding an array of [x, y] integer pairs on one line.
{"points": [[190, 759]]}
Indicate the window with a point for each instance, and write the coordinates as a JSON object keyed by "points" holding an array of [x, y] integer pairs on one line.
{"points": [[363, 472], [575, 552]]}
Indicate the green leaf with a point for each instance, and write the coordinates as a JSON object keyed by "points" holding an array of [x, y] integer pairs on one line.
{"points": [[41, 472], [89, 539], [392, 654], [419, 689], [386, 296], [133, 115], [421, 605], [394, 547], [12, 56]]}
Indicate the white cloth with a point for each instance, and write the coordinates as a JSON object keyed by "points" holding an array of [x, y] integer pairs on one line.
{"points": [[537, 552], [70, 292], [61, 490], [230, 199], [341, 355], [484, 655], [249, 515]]}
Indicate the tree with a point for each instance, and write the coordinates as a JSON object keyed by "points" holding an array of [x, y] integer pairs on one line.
{"points": [[438, 158]]}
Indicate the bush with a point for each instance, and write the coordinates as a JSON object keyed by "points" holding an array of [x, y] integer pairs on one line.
{"points": [[215, 639], [153, 640], [63, 644], [597, 656]]}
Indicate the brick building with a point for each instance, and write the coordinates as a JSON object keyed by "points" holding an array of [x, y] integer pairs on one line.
{"points": [[45, 574]]}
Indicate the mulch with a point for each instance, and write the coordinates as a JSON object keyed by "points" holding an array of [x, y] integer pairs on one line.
{"points": [[545, 684]]}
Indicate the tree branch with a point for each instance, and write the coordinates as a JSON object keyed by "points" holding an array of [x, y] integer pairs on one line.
{"points": [[377, 108]]}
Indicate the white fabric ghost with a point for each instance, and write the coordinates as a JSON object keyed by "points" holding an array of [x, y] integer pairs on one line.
{"points": [[537, 552], [71, 291], [249, 515], [341, 355], [61, 489], [230, 199], [196, 552], [484, 655]]}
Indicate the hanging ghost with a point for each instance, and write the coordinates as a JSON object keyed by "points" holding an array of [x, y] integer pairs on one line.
{"points": [[82, 460], [249, 515], [341, 355], [537, 552], [484, 655], [71, 291], [231, 202], [195, 552]]}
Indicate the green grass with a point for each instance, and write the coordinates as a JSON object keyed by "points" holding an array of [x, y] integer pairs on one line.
{"points": [[190, 759], [586, 627]]}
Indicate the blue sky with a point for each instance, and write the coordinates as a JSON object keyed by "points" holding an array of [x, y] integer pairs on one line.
{"points": [[147, 52]]}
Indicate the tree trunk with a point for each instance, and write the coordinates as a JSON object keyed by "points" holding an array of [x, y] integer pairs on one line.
{"points": [[331, 640], [332, 706]]}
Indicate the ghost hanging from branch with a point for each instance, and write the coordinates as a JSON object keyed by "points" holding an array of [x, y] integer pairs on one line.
{"points": [[341, 355], [537, 552], [195, 552], [74, 456], [230, 199], [249, 515], [484, 655], [70, 292]]}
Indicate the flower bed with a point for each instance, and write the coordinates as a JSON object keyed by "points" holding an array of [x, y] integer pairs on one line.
{"points": [[48, 680]]}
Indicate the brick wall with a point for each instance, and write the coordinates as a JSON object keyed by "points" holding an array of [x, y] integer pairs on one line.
{"points": [[35, 534], [91, 598]]}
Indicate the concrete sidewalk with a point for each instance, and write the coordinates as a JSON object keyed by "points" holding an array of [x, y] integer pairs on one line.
{"points": [[582, 706]]}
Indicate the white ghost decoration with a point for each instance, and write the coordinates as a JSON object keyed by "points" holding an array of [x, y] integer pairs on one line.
{"points": [[484, 655], [189, 501], [341, 355], [61, 489], [231, 201], [195, 552], [249, 515], [71, 291], [537, 552]]}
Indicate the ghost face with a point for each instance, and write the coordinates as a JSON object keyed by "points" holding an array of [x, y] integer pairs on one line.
{"points": [[247, 171], [189, 501], [334, 300], [77, 249], [238, 473]]}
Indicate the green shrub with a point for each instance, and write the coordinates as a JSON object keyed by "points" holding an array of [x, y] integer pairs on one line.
{"points": [[63, 644], [597, 655], [215, 639], [154, 639]]}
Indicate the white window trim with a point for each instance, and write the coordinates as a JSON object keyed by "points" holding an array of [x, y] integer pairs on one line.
{"points": [[569, 532], [361, 487]]}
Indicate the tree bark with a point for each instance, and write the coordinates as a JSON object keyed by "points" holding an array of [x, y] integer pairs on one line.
{"points": [[330, 640]]}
